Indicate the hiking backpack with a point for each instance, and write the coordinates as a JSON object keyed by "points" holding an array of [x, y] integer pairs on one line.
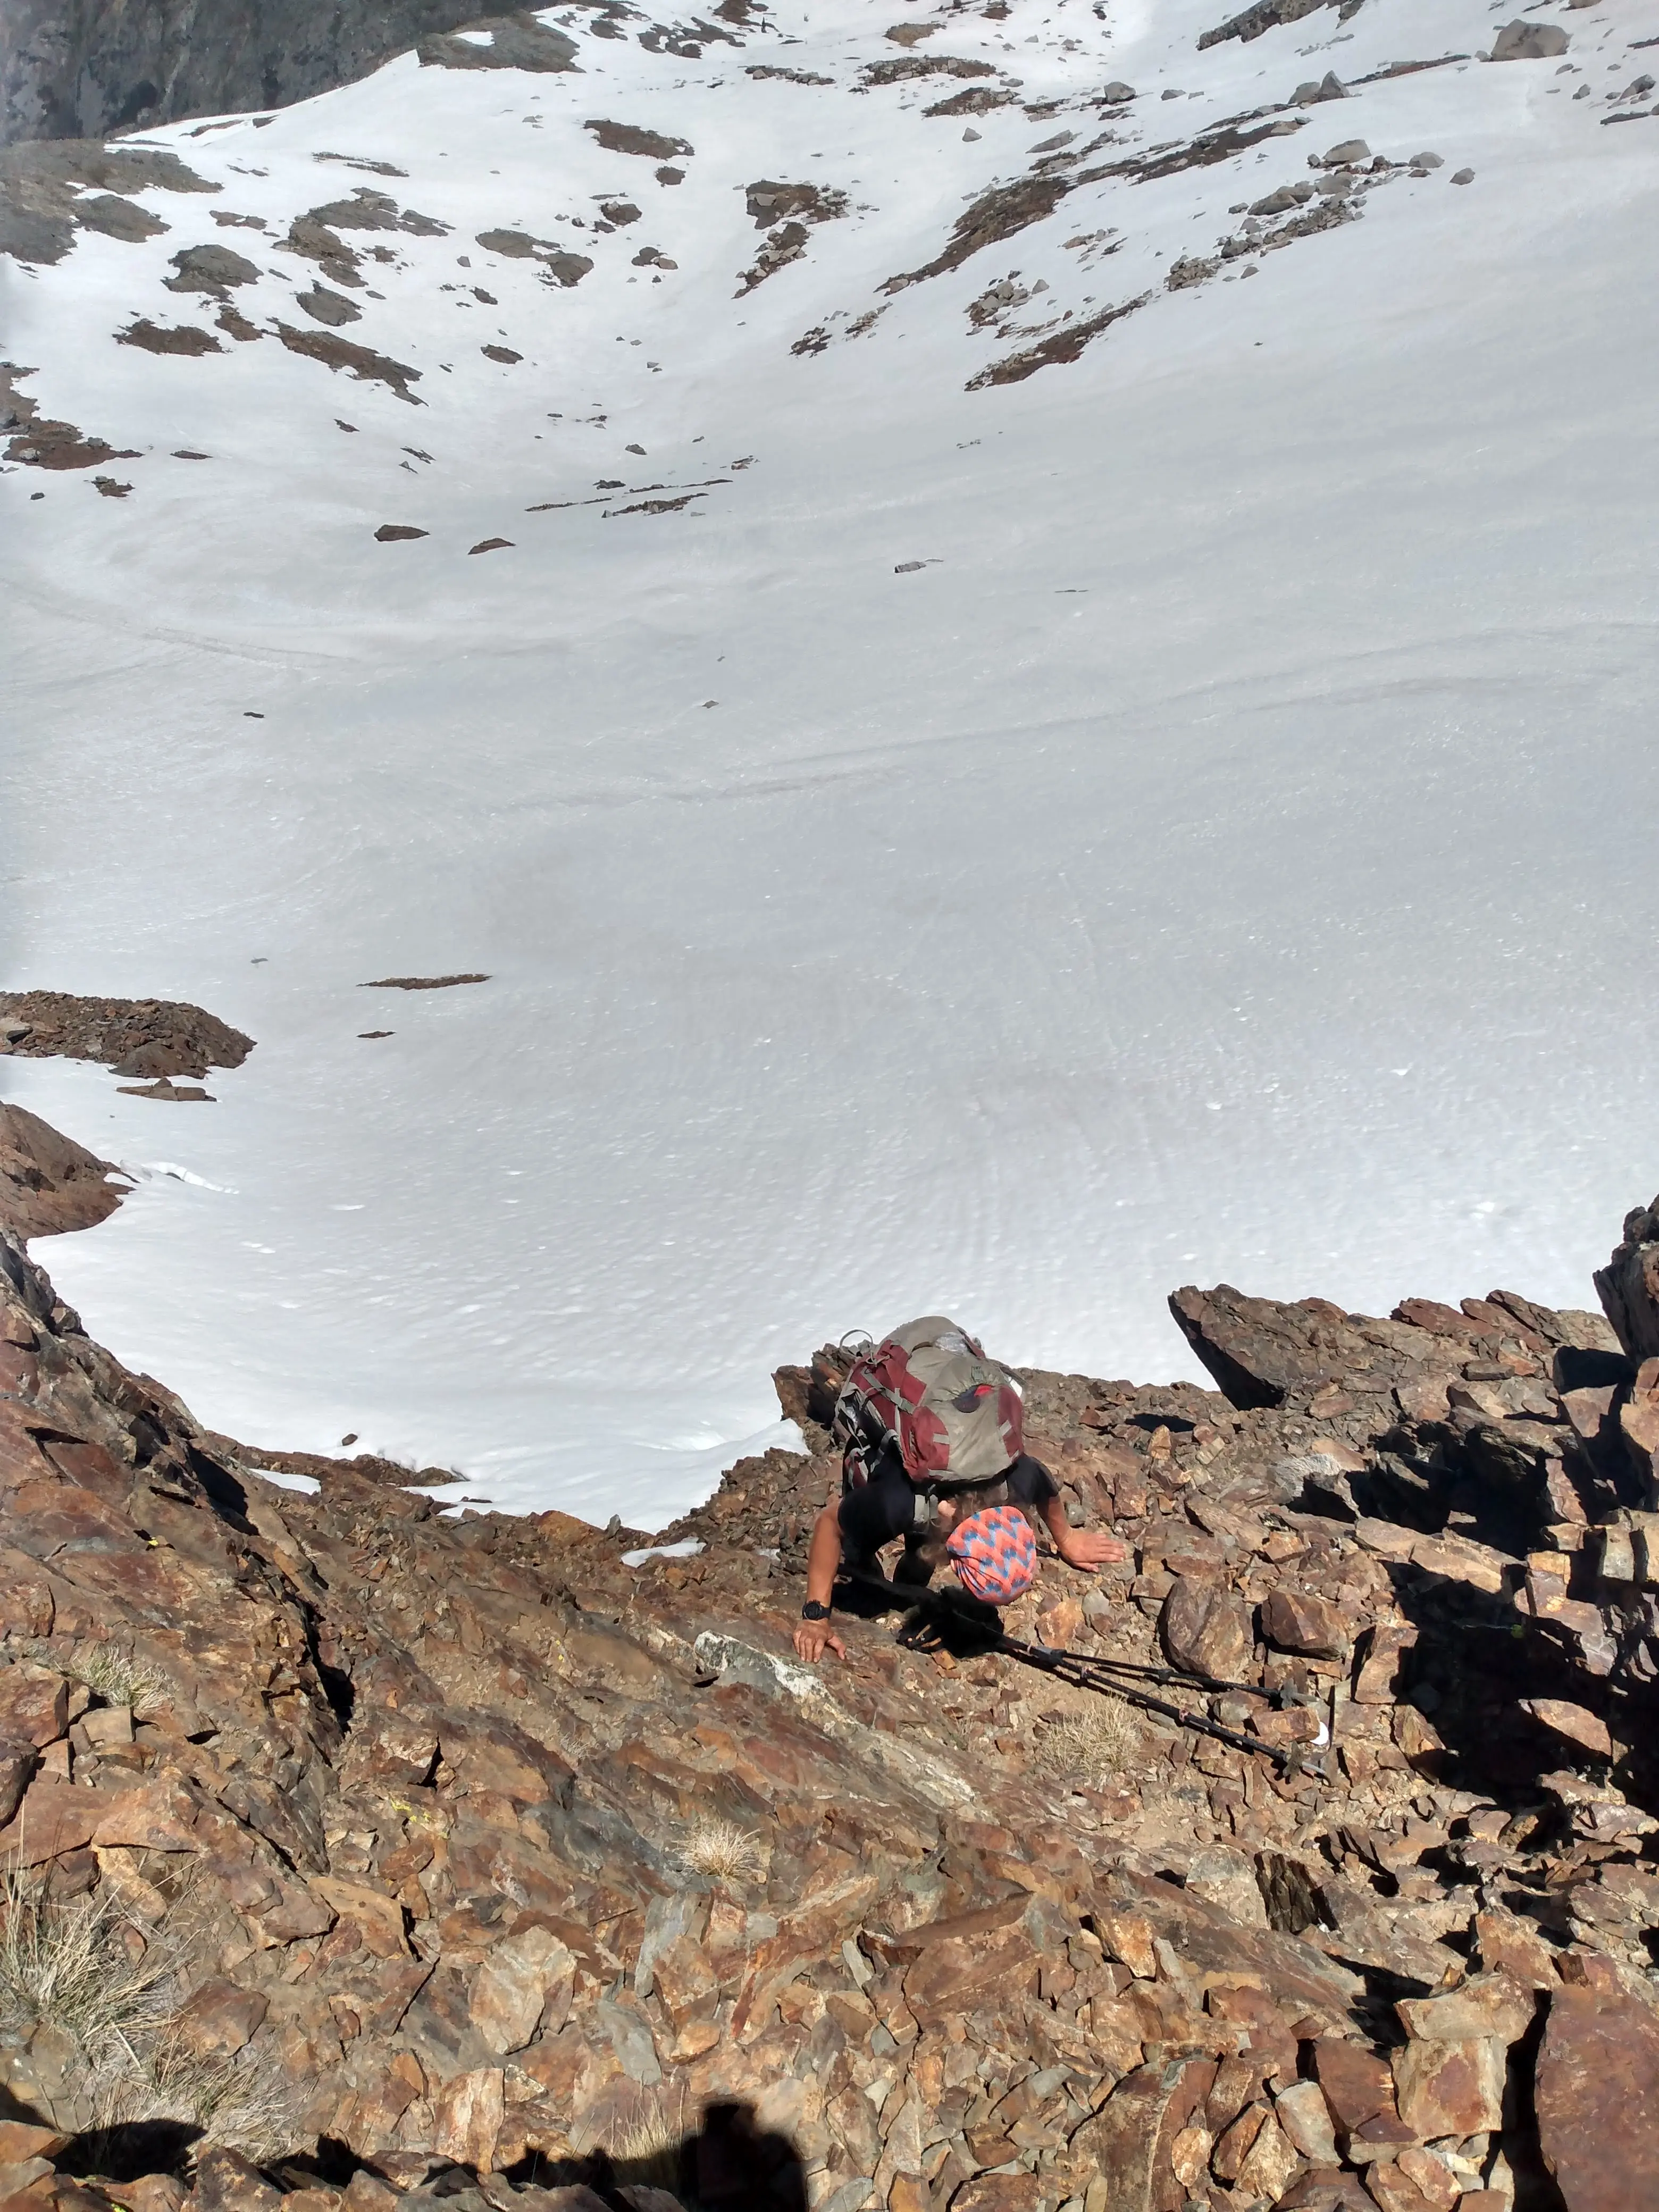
{"points": [[928, 1393]]}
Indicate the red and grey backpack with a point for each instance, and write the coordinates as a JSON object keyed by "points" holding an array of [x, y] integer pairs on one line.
{"points": [[927, 1395]]}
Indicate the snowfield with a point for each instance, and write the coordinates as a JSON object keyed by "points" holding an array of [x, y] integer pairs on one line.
{"points": [[939, 837]]}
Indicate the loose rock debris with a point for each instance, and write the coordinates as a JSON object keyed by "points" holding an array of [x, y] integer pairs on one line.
{"points": [[366, 366], [504, 1854], [133, 1036], [516, 41], [424, 982], [631, 138], [183, 339]]}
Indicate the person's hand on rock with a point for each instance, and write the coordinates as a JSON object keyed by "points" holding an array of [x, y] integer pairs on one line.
{"points": [[1089, 1548], [813, 1637]]}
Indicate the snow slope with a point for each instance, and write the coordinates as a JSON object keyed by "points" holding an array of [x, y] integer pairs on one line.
{"points": [[1227, 857]]}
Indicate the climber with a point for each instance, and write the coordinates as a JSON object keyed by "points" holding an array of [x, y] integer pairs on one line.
{"points": [[932, 1451]]}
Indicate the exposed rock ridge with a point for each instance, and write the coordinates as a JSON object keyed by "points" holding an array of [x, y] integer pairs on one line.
{"points": [[473, 1864], [81, 72]]}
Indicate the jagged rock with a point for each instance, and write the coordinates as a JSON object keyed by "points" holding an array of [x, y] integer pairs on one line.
{"points": [[1205, 1628], [1628, 1286], [1597, 2069], [1291, 1620], [1565, 1719], [502, 1843]]}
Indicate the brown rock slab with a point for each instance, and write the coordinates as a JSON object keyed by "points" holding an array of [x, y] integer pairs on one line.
{"points": [[33, 1705], [18, 1762], [1575, 1722], [48, 1183], [1294, 1620], [1130, 2140], [1452, 2088], [1305, 2118], [1597, 2069], [20, 2141], [54, 1817], [218, 2019], [1205, 1628], [1486, 2005], [1356, 2083], [514, 1985], [1393, 2189], [467, 2117]]}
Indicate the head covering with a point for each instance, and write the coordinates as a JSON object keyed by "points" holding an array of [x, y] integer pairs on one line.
{"points": [[995, 1555]]}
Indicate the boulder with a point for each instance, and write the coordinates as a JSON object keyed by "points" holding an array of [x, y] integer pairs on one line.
{"points": [[1521, 41], [1130, 2141], [1205, 1628], [1292, 1621], [1597, 2078], [1575, 1722], [1628, 1286], [1452, 2088]]}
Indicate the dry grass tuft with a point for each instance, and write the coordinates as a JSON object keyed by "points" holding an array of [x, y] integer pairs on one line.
{"points": [[85, 1969], [108, 1674], [1088, 1745], [724, 1850], [645, 2146]]}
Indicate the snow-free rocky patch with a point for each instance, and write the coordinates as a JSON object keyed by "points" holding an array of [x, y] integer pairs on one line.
{"points": [[493, 1860]]}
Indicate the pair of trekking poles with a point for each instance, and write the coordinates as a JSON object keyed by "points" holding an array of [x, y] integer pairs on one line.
{"points": [[937, 1618]]}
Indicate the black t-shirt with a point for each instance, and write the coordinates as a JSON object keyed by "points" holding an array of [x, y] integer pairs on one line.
{"points": [[886, 1508]]}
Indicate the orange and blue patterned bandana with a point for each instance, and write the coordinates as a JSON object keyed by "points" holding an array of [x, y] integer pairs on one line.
{"points": [[994, 1554]]}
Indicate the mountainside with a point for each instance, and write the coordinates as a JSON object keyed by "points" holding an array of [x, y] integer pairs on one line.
{"points": [[357, 1853], [69, 68], [1013, 649]]}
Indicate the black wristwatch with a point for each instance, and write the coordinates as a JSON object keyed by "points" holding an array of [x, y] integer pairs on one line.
{"points": [[813, 1611]]}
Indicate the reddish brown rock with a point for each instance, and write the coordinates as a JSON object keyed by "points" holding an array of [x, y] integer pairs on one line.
{"points": [[33, 1705], [20, 2140], [18, 1762], [1205, 1629], [467, 2118], [1573, 1722], [1449, 2088], [1391, 2189], [1305, 2115], [1292, 1621], [515, 1984], [1131, 2139], [1628, 1286], [48, 1183], [1490, 2005], [1356, 2083], [994, 2192], [1432, 2176], [1597, 2069], [227, 2182], [218, 2019]]}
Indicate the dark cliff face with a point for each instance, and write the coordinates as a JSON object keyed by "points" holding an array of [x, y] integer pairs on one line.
{"points": [[80, 68]]}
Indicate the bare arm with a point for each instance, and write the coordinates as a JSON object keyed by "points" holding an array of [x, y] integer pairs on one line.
{"points": [[1080, 1547], [821, 1561]]}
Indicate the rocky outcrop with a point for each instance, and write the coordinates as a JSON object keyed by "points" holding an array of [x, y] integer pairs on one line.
{"points": [[456, 1859], [81, 72], [134, 1037], [1628, 1286], [49, 1183]]}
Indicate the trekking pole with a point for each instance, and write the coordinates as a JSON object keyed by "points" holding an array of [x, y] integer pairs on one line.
{"points": [[1078, 1668], [1084, 1671]]}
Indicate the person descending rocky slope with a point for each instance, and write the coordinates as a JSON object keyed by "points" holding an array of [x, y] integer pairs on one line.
{"points": [[357, 1855]]}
